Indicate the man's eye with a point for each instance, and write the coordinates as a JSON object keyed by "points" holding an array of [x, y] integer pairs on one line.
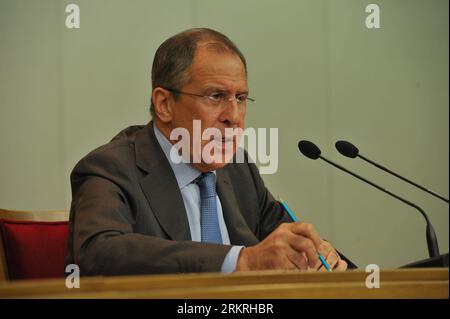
{"points": [[241, 98], [216, 97]]}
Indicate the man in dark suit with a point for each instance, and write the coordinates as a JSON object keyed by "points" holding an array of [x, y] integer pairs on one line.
{"points": [[137, 209]]}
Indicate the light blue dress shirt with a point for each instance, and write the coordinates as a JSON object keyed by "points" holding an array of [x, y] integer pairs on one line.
{"points": [[185, 174]]}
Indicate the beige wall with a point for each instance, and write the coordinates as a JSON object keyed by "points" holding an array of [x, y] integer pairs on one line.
{"points": [[317, 72]]}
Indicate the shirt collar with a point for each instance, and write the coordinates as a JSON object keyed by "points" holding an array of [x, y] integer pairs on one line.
{"points": [[184, 173]]}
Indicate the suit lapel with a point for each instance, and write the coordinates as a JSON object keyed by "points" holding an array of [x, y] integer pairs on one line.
{"points": [[163, 194], [238, 230], [160, 186]]}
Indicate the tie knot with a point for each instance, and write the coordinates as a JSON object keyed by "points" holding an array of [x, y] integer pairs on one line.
{"points": [[207, 184]]}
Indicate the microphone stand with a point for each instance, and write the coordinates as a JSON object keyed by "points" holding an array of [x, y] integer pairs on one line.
{"points": [[433, 248]]}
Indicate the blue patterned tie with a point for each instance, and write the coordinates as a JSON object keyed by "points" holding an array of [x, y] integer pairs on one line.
{"points": [[208, 209]]}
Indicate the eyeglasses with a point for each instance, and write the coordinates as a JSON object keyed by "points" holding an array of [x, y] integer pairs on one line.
{"points": [[217, 98]]}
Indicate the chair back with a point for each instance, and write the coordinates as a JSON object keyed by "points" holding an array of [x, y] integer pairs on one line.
{"points": [[32, 244]]}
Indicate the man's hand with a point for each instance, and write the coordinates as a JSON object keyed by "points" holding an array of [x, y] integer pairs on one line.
{"points": [[290, 246]]}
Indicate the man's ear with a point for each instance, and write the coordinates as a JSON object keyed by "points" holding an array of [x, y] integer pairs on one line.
{"points": [[163, 103]]}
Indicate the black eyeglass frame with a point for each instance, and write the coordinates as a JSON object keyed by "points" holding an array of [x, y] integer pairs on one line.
{"points": [[210, 97]]}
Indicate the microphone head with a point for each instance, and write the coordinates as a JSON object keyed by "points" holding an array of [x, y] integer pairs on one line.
{"points": [[347, 149], [309, 149]]}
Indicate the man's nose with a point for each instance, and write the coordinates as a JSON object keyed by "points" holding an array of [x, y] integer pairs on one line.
{"points": [[231, 114]]}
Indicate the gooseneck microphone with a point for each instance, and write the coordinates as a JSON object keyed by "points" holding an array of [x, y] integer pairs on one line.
{"points": [[350, 150], [311, 151]]}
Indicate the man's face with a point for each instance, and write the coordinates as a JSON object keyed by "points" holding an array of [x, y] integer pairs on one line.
{"points": [[212, 72]]}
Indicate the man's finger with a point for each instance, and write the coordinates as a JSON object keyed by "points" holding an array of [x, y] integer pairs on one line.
{"points": [[325, 248], [305, 245], [332, 260], [307, 230], [341, 266]]}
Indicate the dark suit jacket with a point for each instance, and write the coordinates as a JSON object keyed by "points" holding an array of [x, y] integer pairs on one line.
{"points": [[128, 217]]}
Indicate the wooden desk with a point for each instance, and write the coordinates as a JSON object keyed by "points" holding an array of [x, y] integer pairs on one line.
{"points": [[399, 283]]}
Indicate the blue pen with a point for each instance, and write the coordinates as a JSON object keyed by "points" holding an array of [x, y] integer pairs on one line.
{"points": [[294, 219]]}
